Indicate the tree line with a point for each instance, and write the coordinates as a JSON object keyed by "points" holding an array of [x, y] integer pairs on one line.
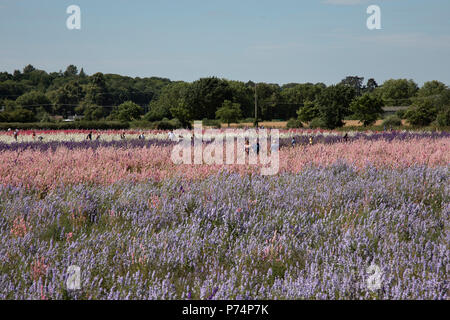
{"points": [[33, 95]]}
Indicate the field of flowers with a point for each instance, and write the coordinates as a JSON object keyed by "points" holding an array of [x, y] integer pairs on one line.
{"points": [[141, 227]]}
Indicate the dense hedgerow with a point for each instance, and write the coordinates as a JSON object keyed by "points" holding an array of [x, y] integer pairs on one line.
{"points": [[100, 125]]}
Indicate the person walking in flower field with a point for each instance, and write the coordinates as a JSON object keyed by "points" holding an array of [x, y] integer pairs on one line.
{"points": [[16, 134], [89, 136]]}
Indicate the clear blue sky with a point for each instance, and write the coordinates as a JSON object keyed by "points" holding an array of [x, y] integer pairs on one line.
{"points": [[261, 40]]}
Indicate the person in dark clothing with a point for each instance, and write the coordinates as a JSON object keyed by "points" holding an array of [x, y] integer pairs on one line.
{"points": [[89, 136], [346, 137]]}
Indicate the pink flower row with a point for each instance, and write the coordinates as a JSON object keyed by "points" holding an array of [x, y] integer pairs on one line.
{"points": [[109, 165]]}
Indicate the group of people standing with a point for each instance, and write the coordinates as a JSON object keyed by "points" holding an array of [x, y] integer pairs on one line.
{"points": [[89, 136]]}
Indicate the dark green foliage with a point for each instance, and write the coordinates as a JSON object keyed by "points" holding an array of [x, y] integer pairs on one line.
{"points": [[71, 92], [205, 96], [168, 124], [398, 92], [100, 125], [355, 82], [294, 124], [431, 88], [229, 112], [401, 114], [126, 112], [212, 123], [94, 113], [334, 104], [443, 118], [20, 115], [422, 113], [317, 123], [33, 100], [371, 85], [308, 112], [367, 108], [169, 98], [392, 121]]}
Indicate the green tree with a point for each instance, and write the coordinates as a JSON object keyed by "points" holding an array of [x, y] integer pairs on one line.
{"points": [[399, 92], [12, 89], [33, 100], [367, 108], [82, 73], [443, 118], [371, 85], [96, 90], [355, 82], [392, 121], [422, 113], [334, 104], [28, 69], [206, 95], [169, 98], [21, 115], [93, 113], [431, 88], [127, 111], [244, 95], [71, 71], [229, 112], [308, 112], [66, 98], [299, 93], [182, 113]]}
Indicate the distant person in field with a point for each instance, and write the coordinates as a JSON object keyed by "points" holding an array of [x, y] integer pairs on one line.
{"points": [[247, 147], [41, 138], [122, 135], [346, 137], [33, 135], [16, 134], [98, 137], [173, 137], [293, 142], [89, 136], [256, 147]]}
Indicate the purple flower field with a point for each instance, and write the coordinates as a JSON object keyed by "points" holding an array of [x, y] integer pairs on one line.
{"points": [[310, 235]]}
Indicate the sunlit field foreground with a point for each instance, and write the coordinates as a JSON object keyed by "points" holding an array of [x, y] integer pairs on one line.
{"points": [[141, 227]]}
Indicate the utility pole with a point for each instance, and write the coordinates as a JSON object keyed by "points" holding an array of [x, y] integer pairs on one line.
{"points": [[256, 107]]}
